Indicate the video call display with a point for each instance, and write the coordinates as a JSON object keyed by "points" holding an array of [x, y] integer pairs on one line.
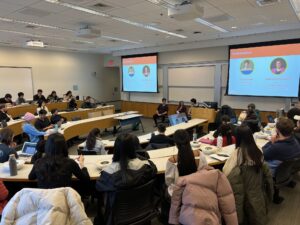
{"points": [[270, 70], [139, 73]]}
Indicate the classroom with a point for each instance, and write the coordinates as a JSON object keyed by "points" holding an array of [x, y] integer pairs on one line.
{"points": [[150, 112]]}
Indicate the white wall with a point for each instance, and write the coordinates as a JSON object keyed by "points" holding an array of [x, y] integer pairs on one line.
{"points": [[59, 71]]}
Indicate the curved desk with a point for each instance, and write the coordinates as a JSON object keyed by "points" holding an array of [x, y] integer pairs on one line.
{"points": [[144, 139], [16, 125], [20, 110]]}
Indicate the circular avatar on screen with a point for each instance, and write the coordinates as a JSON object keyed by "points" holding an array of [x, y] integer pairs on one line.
{"points": [[247, 67], [146, 71], [278, 66], [131, 71]]}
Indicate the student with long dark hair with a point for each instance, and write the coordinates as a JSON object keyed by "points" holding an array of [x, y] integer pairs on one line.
{"points": [[93, 142], [250, 179], [185, 162], [55, 169], [126, 170]]}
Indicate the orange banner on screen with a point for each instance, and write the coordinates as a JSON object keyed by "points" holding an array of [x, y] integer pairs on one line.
{"points": [[266, 51], [140, 60]]}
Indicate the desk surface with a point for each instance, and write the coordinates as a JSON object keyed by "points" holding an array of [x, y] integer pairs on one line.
{"points": [[92, 162]]}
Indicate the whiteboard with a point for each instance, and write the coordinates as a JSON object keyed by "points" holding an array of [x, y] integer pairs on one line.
{"points": [[185, 94], [192, 76], [14, 80]]}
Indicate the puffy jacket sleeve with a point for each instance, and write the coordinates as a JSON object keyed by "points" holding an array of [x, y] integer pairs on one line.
{"points": [[176, 202], [226, 200]]}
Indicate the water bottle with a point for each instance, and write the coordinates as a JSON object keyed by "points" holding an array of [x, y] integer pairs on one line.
{"points": [[56, 128], [194, 135], [219, 142], [12, 165]]}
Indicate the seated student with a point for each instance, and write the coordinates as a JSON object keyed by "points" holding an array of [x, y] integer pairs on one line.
{"points": [[42, 123], [203, 197], [162, 111], [42, 105], [72, 104], [6, 144], [297, 128], [93, 142], [181, 108], [161, 138], [52, 97], [3, 114], [7, 99], [40, 151], [34, 134], [56, 118], [252, 118], [20, 100], [39, 96], [250, 179], [3, 197], [292, 113], [55, 169], [185, 162], [126, 171], [225, 110], [224, 120], [88, 103], [227, 135], [68, 96], [283, 146], [194, 104]]}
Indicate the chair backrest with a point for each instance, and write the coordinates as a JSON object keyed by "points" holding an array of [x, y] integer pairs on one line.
{"points": [[296, 165], [135, 205], [283, 174], [86, 152]]}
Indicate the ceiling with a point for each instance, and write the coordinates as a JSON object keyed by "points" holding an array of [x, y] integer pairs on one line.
{"points": [[56, 24]]}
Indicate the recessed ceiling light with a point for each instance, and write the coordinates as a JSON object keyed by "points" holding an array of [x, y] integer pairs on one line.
{"points": [[116, 18], [234, 27], [32, 43], [258, 24], [213, 26], [283, 20]]}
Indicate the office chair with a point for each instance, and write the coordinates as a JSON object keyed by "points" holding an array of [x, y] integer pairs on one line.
{"points": [[133, 206]]}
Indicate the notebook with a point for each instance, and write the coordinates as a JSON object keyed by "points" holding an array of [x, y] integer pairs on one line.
{"points": [[29, 148]]}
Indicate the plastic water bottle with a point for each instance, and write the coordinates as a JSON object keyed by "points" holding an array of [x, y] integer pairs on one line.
{"points": [[219, 142], [56, 128], [194, 135], [12, 165]]}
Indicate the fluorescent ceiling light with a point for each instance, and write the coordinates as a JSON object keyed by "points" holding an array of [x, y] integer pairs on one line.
{"points": [[206, 23], [296, 6], [33, 43], [93, 12], [119, 39], [46, 37], [32, 23]]}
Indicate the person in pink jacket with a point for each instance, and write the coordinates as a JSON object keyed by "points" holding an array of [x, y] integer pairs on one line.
{"points": [[203, 198]]}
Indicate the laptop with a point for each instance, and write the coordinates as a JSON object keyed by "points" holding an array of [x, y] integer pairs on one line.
{"points": [[177, 119], [29, 149]]}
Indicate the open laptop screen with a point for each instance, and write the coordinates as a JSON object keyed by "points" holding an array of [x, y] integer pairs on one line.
{"points": [[177, 119], [29, 148]]}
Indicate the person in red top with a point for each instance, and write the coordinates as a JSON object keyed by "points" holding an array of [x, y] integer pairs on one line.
{"points": [[228, 138], [3, 196]]}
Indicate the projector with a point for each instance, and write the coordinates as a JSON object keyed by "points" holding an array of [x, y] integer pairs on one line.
{"points": [[186, 12], [88, 32]]}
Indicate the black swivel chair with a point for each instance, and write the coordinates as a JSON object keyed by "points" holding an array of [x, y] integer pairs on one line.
{"points": [[284, 174], [134, 206]]}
